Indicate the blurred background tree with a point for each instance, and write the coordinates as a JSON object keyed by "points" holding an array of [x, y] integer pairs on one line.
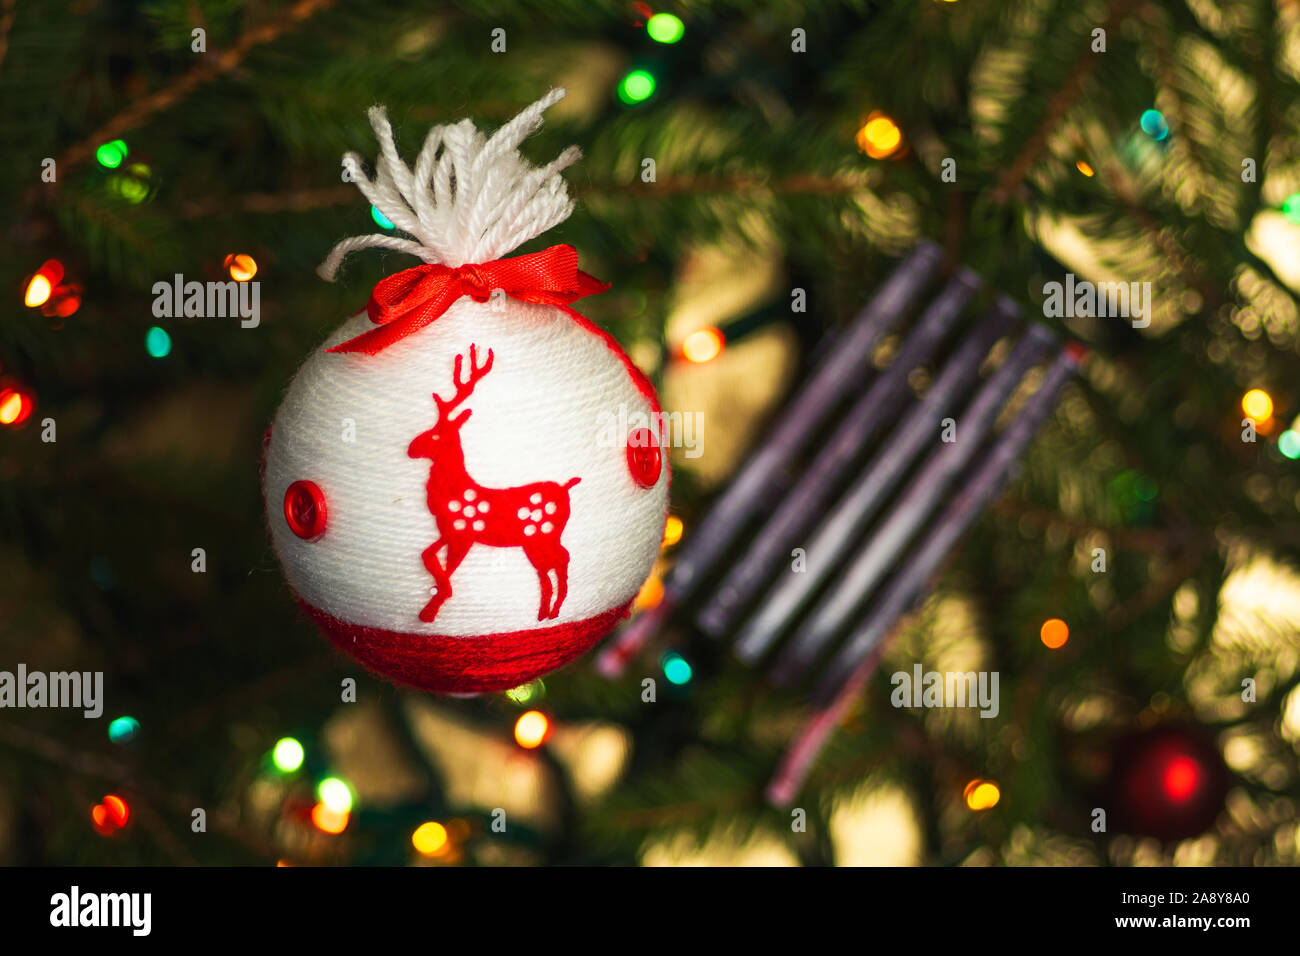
{"points": [[798, 145]]}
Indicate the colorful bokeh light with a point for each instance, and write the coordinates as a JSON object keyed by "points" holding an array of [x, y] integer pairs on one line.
{"points": [[335, 794], [879, 137], [287, 754], [636, 87], [703, 345], [1054, 633], [982, 795], [111, 154], [123, 729], [241, 266], [157, 342], [430, 838], [1258, 405], [532, 729], [665, 28]]}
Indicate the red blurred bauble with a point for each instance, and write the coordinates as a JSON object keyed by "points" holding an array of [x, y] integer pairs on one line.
{"points": [[1169, 783]]}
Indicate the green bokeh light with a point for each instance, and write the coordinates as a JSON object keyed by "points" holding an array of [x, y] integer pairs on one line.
{"points": [[526, 693], [379, 217], [676, 668], [287, 755], [157, 342], [665, 28], [123, 729], [637, 87], [1291, 207], [1288, 443], [335, 794], [112, 153]]}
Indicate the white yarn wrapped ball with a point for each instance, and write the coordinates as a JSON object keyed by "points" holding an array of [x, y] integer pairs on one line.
{"points": [[464, 512]]}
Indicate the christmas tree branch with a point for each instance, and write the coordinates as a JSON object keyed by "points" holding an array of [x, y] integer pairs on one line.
{"points": [[1056, 109], [140, 110]]}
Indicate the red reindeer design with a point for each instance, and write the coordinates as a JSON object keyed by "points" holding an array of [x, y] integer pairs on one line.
{"points": [[530, 516]]}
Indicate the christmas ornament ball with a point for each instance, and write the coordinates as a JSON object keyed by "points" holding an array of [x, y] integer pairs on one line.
{"points": [[464, 484]]}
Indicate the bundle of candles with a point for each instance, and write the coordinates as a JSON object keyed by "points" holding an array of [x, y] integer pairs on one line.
{"points": [[874, 484]]}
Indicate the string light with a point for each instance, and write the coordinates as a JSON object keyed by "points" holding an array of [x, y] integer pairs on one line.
{"points": [[703, 345], [133, 187], [111, 154], [157, 343], [673, 529], [110, 814], [523, 694], [430, 838], [241, 267], [1054, 633], [651, 593], [1258, 405], [665, 28], [287, 755], [1154, 125], [636, 87], [1181, 778], [65, 301], [676, 668], [335, 794], [981, 794], [38, 291], [15, 405], [123, 729], [327, 820], [42, 283], [1288, 443], [532, 729], [879, 136], [1084, 168], [379, 217]]}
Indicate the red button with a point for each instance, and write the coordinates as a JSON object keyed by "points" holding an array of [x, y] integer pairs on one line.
{"points": [[643, 457], [304, 510]]}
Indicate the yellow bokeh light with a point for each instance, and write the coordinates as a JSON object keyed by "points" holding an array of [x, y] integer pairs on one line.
{"points": [[1257, 404], [981, 794], [651, 593], [531, 729], [673, 528], [702, 345], [429, 838], [242, 267], [1084, 168], [38, 292], [11, 406], [1054, 633], [327, 820], [879, 137]]}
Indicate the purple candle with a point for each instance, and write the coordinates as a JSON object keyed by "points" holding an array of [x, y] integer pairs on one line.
{"points": [[752, 490], [841, 529], [881, 403], [888, 542]]}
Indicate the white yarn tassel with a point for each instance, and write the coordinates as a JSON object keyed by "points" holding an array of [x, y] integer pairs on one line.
{"points": [[469, 199]]}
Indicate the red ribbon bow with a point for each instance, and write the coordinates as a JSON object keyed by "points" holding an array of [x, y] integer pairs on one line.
{"points": [[409, 300]]}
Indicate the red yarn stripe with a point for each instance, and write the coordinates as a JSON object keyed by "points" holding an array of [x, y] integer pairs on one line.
{"points": [[465, 665]]}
